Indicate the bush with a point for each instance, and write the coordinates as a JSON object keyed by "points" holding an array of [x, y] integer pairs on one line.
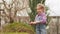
{"points": [[14, 33], [18, 27]]}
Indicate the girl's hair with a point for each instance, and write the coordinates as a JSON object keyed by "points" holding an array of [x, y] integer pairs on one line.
{"points": [[41, 6]]}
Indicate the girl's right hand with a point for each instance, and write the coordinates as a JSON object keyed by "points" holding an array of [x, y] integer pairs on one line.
{"points": [[32, 23]]}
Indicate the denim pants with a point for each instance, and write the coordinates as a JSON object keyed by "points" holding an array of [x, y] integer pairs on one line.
{"points": [[40, 29]]}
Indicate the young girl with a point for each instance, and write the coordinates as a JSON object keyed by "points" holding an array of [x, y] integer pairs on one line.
{"points": [[40, 19]]}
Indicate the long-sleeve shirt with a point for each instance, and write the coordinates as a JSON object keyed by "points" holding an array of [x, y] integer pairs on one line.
{"points": [[40, 18]]}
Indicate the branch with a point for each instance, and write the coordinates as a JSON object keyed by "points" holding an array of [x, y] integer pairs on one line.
{"points": [[4, 4]]}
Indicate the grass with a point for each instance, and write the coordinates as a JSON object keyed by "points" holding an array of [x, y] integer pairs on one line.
{"points": [[13, 33]]}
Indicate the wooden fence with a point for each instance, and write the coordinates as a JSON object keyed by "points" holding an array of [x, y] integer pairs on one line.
{"points": [[54, 25]]}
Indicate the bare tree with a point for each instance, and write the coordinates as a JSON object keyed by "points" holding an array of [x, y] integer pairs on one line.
{"points": [[10, 10]]}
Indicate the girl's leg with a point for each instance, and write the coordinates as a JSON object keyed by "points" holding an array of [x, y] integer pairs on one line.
{"points": [[38, 31], [43, 28]]}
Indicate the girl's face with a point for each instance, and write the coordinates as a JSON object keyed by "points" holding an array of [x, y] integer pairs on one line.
{"points": [[40, 10]]}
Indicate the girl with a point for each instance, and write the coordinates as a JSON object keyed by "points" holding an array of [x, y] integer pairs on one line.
{"points": [[40, 19]]}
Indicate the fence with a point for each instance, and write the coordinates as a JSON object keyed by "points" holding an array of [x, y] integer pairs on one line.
{"points": [[54, 25]]}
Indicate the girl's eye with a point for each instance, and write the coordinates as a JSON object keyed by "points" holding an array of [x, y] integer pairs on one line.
{"points": [[38, 9]]}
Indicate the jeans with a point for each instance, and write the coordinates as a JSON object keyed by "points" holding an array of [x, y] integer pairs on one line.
{"points": [[40, 29]]}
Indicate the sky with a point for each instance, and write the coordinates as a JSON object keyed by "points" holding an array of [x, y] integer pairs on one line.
{"points": [[54, 7]]}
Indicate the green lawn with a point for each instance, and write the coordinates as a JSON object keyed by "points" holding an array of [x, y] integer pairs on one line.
{"points": [[13, 33]]}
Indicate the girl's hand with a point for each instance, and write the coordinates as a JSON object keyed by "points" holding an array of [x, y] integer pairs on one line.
{"points": [[32, 23]]}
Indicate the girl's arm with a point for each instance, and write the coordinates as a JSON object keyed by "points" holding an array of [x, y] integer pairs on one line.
{"points": [[43, 20]]}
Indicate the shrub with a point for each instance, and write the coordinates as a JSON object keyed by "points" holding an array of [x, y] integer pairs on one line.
{"points": [[18, 27]]}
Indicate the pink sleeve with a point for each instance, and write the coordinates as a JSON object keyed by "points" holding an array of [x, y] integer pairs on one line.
{"points": [[44, 19]]}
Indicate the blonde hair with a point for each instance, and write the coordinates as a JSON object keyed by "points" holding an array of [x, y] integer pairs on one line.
{"points": [[41, 6]]}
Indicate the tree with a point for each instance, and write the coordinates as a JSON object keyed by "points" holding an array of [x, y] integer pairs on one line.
{"points": [[11, 9]]}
